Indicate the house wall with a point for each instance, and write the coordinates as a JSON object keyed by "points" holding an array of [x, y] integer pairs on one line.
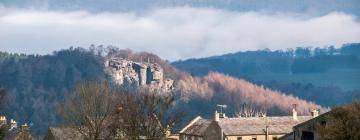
{"points": [[172, 137], [249, 137], [49, 136], [190, 137], [308, 128], [213, 132], [287, 137]]}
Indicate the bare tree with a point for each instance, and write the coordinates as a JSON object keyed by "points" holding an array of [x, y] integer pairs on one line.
{"points": [[2, 97], [88, 108], [145, 114], [24, 133], [341, 123], [3, 127], [249, 110]]}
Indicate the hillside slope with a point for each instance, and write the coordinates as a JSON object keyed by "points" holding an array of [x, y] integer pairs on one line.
{"points": [[224, 89], [315, 72], [37, 83]]}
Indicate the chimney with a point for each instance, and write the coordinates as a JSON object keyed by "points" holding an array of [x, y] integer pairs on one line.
{"points": [[13, 124], [25, 127], [2, 120], [167, 133], [294, 113], [315, 113], [222, 115], [216, 116]]}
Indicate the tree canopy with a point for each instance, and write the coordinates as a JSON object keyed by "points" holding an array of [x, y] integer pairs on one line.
{"points": [[343, 123]]}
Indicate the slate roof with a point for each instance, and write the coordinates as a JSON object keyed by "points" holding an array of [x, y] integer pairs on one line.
{"points": [[257, 125], [196, 127], [313, 119], [61, 133], [246, 126]]}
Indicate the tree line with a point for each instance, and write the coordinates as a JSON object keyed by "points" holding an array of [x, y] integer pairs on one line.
{"points": [[299, 60], [275, 70]]}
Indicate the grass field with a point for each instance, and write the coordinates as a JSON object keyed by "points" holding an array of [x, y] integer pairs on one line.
{"points": [[348, 79]]}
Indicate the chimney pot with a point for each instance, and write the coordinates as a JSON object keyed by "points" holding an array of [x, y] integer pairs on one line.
{"points": [[2, 120], [13, 124], [216, 116], [314, 113], [25, 127], [294, 113]]}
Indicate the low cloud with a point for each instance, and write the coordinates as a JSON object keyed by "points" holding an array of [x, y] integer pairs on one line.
{"points": [[176, 33]]}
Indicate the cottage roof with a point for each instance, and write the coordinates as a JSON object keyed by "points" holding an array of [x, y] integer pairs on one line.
{"points": [[62, 133], [257, 125], [312, 119], [246, 126], [196, 127]]}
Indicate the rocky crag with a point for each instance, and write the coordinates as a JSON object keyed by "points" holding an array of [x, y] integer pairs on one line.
{"points": [[143, 74]]}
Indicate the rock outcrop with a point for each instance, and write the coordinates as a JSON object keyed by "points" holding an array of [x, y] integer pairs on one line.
{"points": [[143, 74]]}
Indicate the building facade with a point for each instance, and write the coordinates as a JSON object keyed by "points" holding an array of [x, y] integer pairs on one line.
{"points": [[241, 128], [308, 129]]}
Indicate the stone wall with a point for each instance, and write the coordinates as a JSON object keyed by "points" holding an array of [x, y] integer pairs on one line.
{"points": [[307, 130], [213, 132]]}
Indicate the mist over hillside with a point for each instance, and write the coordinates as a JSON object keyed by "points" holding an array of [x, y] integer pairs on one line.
{"points": [[36, 83], [173, 33], [318, 7]]}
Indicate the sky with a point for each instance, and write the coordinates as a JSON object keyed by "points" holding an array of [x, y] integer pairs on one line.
{"points": [[173, 33]]}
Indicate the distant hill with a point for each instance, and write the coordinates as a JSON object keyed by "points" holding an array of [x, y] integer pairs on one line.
{"points": [[217, 88], [36, 84], [214, 88], [321, 68]]}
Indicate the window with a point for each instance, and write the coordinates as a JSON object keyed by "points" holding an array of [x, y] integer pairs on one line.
{"points": [[307, 135], [323, 123], [239, 138]]}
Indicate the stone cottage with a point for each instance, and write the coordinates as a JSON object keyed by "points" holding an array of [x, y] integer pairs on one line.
{"points": [[241, 128], [307, 130]]}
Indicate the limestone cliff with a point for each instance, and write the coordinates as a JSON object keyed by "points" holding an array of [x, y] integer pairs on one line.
{"points": [[143, 74]]}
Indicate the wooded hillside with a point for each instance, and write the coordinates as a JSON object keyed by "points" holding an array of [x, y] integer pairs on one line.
{"points": [[36, 84]]}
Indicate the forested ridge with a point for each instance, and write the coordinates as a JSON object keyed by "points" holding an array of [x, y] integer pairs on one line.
{"points": [[299, 60], [35, 85], [328, 76]]}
